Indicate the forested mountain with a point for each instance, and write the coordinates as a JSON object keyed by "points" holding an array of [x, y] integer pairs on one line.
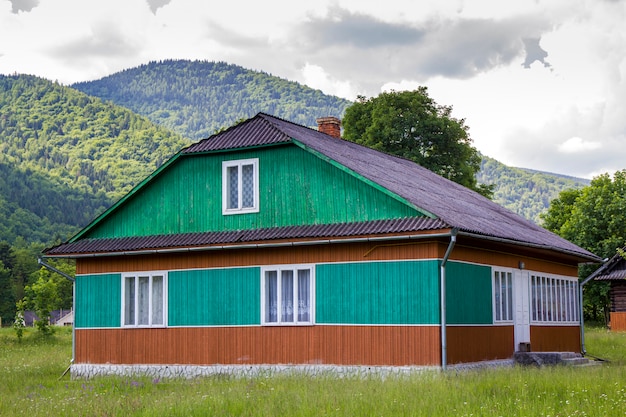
{"points": [[524, 191], [65, 156], [197, 98]]}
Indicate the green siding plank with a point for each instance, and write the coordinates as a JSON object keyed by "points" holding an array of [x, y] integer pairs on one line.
{"points": [[214, 297], [98, 300], [378, 293], [468, 294], [296, 188]]}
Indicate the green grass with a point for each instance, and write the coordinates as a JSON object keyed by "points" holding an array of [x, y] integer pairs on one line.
{"points": [[30, 385]]}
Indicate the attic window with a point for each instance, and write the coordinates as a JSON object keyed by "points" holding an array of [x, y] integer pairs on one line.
{"points": [[240, 186]]}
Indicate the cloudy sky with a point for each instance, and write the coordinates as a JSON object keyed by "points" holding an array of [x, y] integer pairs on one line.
{"points": [[541, 84]]}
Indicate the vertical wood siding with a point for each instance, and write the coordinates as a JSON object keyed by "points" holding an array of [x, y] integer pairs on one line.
{"points": [[618, 321], [345, 345], [378, 293], [468, 294], [493, 255], [617, 295], [354, 252], [98, 300], [296, 188], [213, 297], [555, 338], [479, 343]]}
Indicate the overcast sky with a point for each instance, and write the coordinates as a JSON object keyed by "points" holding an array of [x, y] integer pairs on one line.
{"points": [[541, 84]]}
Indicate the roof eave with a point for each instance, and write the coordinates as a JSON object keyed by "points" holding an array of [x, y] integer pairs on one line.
{"points": [[582, 256], [429, 234]]}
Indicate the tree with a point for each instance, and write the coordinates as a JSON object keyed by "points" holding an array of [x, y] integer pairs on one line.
{"points": [[594, 218], [43, 297], [7, 297], [411, 125]]}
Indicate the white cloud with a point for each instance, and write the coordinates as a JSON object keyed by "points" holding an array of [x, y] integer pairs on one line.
{"points": [[577, 145], [470, 54], [314, 76]]}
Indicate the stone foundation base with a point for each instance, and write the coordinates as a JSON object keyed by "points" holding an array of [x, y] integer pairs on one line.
{"points": [[244, 371]]}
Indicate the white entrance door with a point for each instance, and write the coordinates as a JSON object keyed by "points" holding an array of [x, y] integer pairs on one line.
{"points": [[521, 295]]}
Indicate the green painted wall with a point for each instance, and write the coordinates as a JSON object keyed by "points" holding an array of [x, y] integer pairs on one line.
{"points": [[98, 300], [378, 293], [296, 188], [214, 297], [468, 294]]}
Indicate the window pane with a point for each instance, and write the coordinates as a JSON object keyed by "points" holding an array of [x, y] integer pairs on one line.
{"points": [[271, 297], [509, 296], [232, 191], [129, 301], [542, 294], [533, 299], [498, 294], [304, 295], [286, 290], [157, 300], [247, 186], [143, 304]]}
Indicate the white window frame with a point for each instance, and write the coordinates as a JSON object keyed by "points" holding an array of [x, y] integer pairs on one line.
{"points": [[503, 304], [136, 276], [279, 269], [225, 186], [554, 299]]}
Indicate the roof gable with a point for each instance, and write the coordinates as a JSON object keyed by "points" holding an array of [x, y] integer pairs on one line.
{"points": [[431, 194]]}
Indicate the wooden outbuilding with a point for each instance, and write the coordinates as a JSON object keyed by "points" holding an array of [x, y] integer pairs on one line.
{"points": [[614, 272], [273, 244]]}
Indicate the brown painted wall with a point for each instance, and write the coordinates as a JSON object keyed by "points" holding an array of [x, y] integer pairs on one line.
{"points": [[479, 343], [555, 338], [261, 256], [346, 345], [618, 321], [354, 252]]}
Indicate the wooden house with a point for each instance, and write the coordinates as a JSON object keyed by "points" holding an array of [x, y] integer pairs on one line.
{"points": [[271, 243], [614, 272]]}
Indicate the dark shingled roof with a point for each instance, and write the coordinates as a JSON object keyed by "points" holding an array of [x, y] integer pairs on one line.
{"points": [[455, 205], [190, 240], [614, 269]]}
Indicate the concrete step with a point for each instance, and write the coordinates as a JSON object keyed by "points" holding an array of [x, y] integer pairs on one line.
{"points": [[552, 358]]}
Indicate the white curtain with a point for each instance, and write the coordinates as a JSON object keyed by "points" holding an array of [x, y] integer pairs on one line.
{"points": [[271, 297], [304, 295], [233, 187], [129, 301], [247, 186], [143, 305], [157, 300], [287, 296]]}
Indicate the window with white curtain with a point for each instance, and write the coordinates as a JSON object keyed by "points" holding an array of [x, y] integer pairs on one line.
{"points": [[502, 296], [240, 186], [144, 299], [287, 295]]}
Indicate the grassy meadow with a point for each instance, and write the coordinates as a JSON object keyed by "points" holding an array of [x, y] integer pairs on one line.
{"points": [[31, 384]]}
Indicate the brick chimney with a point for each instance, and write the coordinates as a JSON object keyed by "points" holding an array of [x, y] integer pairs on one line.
{"points": [[330, 125]]}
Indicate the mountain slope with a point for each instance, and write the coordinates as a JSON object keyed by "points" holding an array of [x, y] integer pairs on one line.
{"points": [[65, 156], [526, 192], [197, 98]]}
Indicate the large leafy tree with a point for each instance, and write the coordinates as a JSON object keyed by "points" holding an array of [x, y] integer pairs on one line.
{"points": [[595, 219], [410, 124]]}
